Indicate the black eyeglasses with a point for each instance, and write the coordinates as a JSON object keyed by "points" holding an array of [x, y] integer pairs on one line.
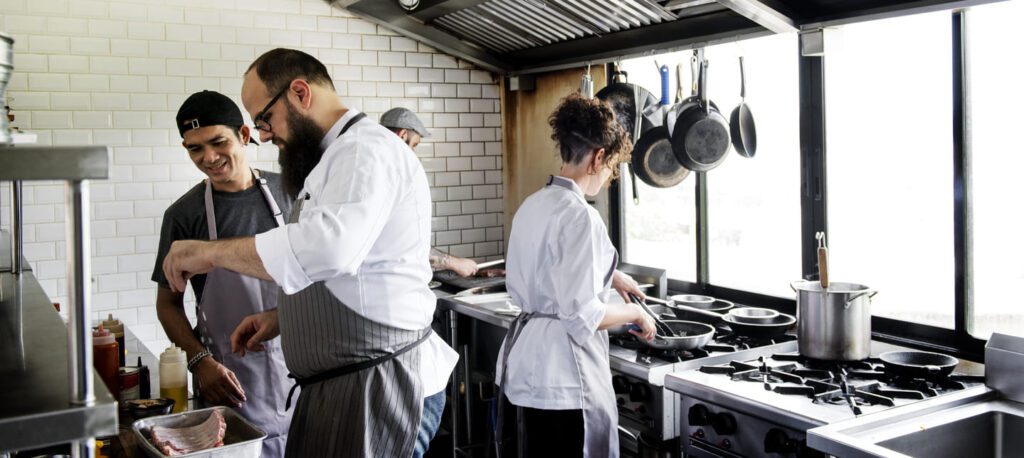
{"points": [[260, 121]]}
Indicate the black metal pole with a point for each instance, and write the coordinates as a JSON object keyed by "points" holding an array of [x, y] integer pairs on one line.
{"points": [[963, 317], [813, 195]]}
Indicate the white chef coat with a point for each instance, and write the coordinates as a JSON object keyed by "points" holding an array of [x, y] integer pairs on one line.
{"points": [[365, 232], [559, 262]]}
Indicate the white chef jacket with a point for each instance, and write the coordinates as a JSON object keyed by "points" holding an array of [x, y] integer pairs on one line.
{"points": [[365, 232], [559, 261]]}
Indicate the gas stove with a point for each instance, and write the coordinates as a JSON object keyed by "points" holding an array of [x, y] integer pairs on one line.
{"points": [[764, 405], [646, 408]]}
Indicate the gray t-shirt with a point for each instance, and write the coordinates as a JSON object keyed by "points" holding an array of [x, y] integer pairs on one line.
{"points": [[238, 214]]}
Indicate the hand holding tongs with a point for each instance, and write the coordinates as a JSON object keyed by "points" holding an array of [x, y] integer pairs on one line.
{"points": [[822, 260], [662, 327]]}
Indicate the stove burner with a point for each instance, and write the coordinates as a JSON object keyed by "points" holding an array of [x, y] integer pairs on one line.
{"points": [[766, 377], [852, 383], [871, 394]]}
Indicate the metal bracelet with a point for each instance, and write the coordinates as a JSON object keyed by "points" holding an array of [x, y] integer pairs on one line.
{"points": [[197, 358]]}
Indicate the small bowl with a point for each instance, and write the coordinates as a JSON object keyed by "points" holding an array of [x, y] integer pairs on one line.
{"points": [[694, 300], [145, 408], [753, 315]]}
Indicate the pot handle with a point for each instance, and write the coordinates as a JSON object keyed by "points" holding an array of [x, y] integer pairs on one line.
{"points": [[869, 293], [793, 284]]}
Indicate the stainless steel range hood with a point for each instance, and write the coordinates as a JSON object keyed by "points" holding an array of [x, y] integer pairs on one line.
{"points": [[527, 36]]}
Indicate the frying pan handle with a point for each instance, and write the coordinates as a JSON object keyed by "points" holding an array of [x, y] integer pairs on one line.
{"points": [[663, 71], [632, 180], [703, 316], [743, 81], [694, 73], [679, 83], [703, 87]]}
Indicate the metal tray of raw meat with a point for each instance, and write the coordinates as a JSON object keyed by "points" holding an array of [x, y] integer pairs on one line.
{"points": [[241, 438]]}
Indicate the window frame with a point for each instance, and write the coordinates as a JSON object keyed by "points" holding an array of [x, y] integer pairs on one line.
{"points": [[814, 210]]}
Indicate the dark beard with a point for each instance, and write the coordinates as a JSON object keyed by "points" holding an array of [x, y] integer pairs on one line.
{"points": [[301, 153]]}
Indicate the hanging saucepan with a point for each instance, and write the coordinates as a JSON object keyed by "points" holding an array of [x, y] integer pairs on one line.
{"points": [[622, 97], [918, 364], [741, 122], [700, 137], [673, 112], [653, 160]]}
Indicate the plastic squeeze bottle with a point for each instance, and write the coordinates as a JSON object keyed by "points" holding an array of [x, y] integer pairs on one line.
{"points": [[173, 381], [104, 359], [117, 329]]}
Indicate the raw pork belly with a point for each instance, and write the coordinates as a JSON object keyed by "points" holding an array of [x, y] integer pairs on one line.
{"points": [[180, 441]]}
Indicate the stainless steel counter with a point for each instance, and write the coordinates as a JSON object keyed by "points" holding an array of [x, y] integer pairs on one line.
{"points": [[35, 407]]}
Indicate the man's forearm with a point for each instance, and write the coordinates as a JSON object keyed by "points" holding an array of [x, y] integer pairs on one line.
{"points": [[175, 323], [438, 259], [238, 255]]}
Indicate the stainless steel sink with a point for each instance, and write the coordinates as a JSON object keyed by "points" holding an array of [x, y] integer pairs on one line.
{"points": [[993, 433], [975, 422]]}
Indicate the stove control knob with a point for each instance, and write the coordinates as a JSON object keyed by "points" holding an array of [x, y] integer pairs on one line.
{"points": [[723, 423], [699, 415], [620, 384], [777, 441]]}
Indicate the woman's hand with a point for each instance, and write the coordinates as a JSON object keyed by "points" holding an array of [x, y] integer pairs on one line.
{"points": [[646, 324], [625, 285]]}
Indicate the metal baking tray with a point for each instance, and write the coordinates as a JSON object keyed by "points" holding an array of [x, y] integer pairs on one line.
{"points": [[241, 438]]}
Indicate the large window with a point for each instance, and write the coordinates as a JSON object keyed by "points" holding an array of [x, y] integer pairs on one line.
{"points": [[661, 228], [998, 159], [754, 204], [890, 164]]}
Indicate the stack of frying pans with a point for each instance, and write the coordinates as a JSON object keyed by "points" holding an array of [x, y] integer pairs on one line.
{"points": [[690, 135]]}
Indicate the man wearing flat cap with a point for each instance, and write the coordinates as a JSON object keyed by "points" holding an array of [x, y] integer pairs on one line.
{"points": [[233, 201], [404, 123]]}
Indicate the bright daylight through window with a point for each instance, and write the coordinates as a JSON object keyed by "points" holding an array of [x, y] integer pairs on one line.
{"points": [[995, 100], [754, 203], [890, 164]]}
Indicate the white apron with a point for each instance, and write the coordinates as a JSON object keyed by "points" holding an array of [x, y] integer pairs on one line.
{"points": [[228, 297], [600, 412]]}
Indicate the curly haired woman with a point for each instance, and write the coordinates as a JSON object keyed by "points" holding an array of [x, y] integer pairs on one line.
{"points": [[560, 268]]}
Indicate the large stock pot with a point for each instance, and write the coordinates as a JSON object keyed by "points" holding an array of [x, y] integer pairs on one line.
{"points": [[834, 323]]}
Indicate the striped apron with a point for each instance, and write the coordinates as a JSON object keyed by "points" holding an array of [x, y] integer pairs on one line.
{"points": [[361, 390]]}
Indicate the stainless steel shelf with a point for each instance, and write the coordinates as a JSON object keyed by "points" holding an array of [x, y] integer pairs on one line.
{"points": [[35, 386], [35, 366], [54, 163]]}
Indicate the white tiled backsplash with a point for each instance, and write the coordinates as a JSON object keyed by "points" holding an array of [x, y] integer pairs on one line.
{"points": [[115, 72]]}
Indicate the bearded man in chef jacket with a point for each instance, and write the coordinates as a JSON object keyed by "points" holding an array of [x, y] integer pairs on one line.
{"points": [[404, 123], [354, 317], [234, 200]]}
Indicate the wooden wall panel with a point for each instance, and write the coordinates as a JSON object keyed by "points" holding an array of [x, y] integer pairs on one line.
{"points": [[529, 153]]}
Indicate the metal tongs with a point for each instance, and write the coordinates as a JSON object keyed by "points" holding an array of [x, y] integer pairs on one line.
{"points": [[663, 328]]}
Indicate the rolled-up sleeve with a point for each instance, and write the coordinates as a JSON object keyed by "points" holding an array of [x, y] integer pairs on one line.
{"points": [[577, 280], [337, 228]]}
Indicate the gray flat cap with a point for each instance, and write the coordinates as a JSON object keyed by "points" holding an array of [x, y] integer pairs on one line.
{"points": [[403, 118]]}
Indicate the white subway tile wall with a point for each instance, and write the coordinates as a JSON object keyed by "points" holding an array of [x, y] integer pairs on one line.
{"points": [[114, 73]]}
